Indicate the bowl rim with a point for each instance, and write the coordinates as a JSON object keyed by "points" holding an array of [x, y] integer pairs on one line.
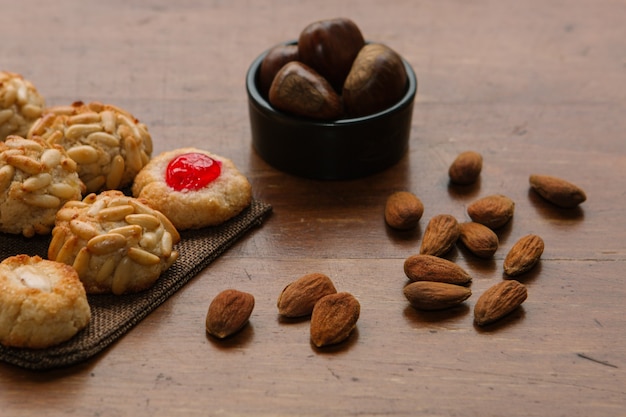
{"points": [[257, 97]]}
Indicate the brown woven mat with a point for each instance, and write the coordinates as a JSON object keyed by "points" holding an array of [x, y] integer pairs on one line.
{"points": [[113, 316]]}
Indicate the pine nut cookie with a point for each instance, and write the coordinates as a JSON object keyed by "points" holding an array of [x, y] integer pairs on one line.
{"points": [[109, 145], [116, 243], [20, 104], [193, 188], [43, 303], [36, 179]]}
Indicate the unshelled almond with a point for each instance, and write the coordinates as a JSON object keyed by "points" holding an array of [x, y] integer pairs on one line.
{"points": [[440, 235], [557, 190], [403, 210], [466, 168], [479, 239], [432, 268], [229, 312], [427, 295], [498, 301], [493, 211], [299, 297], [334, 317], [523, 255]]}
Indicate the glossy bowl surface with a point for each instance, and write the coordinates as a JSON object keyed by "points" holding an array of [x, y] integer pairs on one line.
{"points": [[329, 150]]}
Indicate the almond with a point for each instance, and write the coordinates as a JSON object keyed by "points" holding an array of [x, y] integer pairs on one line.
{"points": [[425, 295], [403, 210], [557, 191], [466, 168], [498, 301], [479, 239], [298, 298], [440, 235], [523, 255], [493, 211], [333, 318], [432, 268], [229, 311]]}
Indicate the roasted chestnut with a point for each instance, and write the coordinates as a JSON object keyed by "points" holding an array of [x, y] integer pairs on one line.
{"points": [[375, 82], [275, 59], [329, 47], [300, 90]]}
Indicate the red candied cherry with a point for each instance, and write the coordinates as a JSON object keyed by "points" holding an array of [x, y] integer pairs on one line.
{"points": [[192, 171]]}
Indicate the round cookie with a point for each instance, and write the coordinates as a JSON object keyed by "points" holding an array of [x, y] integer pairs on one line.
{"points": [[36, 179], [116, 243], [43, 303], [107, 143], [20, 104], [193, 188]]}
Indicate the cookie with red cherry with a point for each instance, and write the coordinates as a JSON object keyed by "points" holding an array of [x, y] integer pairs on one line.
{"points": [[194, 188]]}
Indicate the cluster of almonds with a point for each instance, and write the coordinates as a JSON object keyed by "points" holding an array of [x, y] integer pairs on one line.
{"points": [[333, 314], [438, 283], [332, 73]]}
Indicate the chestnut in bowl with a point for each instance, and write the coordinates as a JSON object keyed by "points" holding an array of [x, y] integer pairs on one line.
{"points": [[341, 149]]}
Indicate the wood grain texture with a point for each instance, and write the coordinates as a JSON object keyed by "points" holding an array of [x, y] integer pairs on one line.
{"points": [[534, 86]]}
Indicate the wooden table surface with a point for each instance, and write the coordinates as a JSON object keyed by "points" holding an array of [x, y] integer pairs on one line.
{"points": [[535, 86]]}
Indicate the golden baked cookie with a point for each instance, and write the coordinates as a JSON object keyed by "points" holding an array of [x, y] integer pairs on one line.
{"points": [[42, 303], [20, 104], [116, 243], [193, 188], [36, 179], [109, 145]]}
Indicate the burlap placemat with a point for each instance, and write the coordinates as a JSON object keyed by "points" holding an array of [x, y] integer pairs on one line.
{"points": [[113, 316]]}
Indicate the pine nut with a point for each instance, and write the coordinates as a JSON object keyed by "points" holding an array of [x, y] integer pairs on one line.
{"points": [[6, 176], [51, 158], [103, 139], [5, 115], [143, 257], [115, 213], [106, 270], [114, 178], [54, 137], [22, 144], [83, 118], [78, 131], [95, 106], [31, 111], [147, 221], [10, 96], [167, 224], [108, 121], [131, 231], [83, 229], [41, 200], [95, 184], [83, 154], [166, 244], [81, 262], [25, 163], [63, 191], [58, 239], [36, 182], [121, 277], [106, 243], [119, 200], [61, 110], [148, 240], [22, 92], [65, 254]]}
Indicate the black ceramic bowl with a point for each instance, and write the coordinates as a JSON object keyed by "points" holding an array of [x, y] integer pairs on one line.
{"points": [[330, 150]]}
